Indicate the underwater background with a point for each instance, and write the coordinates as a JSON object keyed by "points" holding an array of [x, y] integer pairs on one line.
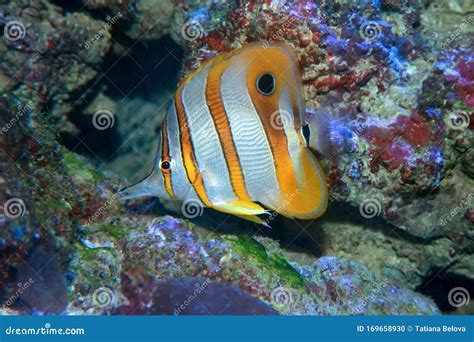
{"points": [[84, 86]]}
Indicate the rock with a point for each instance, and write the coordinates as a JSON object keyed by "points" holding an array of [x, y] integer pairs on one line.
{"points": [[169, 248], [402, 98], [149, 19], [195, 296]]}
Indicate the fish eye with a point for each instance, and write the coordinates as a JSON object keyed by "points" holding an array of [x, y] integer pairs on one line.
{"points": [[266, 84], [165, 164]]}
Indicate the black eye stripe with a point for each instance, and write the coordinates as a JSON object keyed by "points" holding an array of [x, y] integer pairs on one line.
{"points": [[265, 84]]}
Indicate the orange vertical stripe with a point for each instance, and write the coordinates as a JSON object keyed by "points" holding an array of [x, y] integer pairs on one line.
{"points": [[221, 121], [190, 164], [265, 107]]}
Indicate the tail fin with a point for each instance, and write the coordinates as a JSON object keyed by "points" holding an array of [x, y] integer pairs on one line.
{"points": [[319, 124], [327, 134]]}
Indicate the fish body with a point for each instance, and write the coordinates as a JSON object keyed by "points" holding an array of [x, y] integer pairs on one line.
{"points": [[232, 139]]}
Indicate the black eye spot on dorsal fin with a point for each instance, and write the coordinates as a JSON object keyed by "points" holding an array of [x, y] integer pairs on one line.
{"points": [[307, 133]]}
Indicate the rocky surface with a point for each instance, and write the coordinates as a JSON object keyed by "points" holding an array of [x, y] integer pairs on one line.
{"points": [[398, 76]]}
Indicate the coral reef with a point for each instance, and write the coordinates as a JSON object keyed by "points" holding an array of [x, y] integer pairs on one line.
{"points": [[402, 95], [168, 248], [397, 76]]}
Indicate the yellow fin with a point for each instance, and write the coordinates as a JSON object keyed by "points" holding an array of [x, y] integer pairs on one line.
{"points": [[255, 219], [240, 208]]}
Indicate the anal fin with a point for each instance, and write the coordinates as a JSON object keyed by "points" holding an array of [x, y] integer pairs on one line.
{"points": [[241, 208]]}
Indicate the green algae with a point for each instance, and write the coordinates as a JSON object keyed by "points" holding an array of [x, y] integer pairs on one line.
{"points": [[276, 263], [77, 167], [117, 232], [58, 204]]}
